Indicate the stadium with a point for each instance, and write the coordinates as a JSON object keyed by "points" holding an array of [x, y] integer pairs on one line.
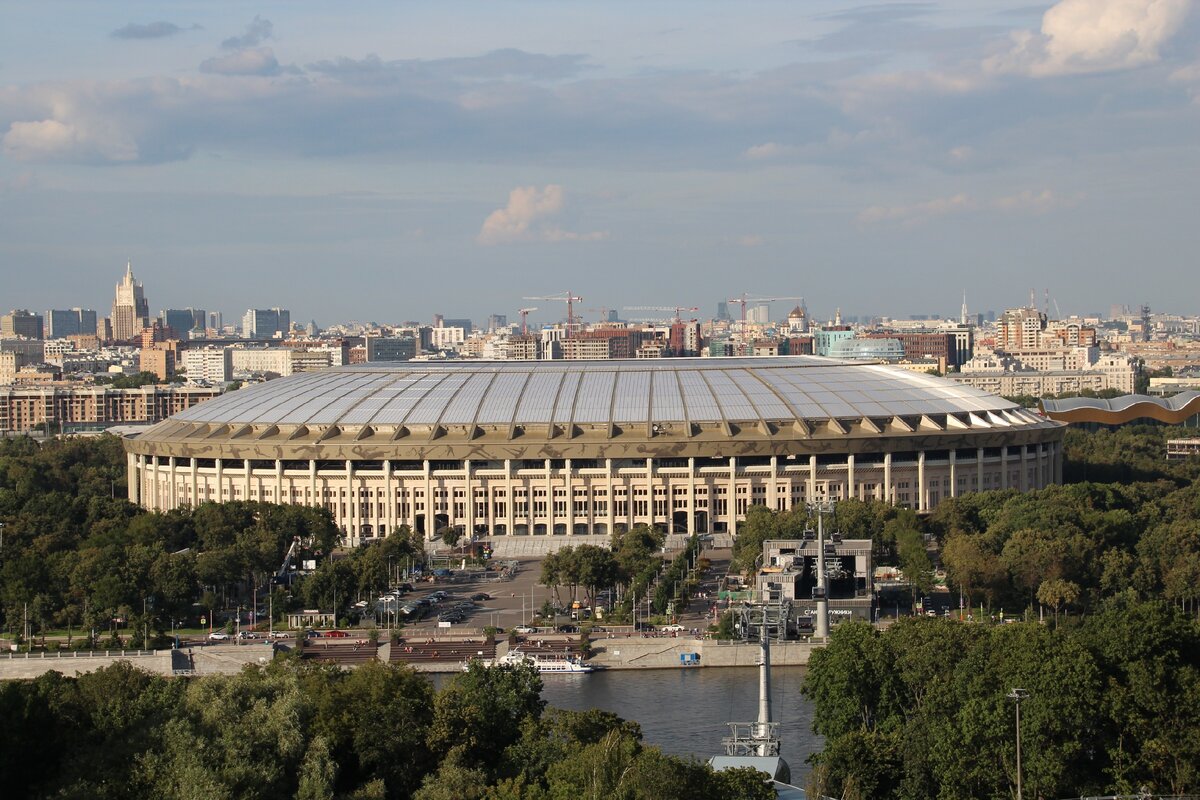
{"points": [[560, 448]]}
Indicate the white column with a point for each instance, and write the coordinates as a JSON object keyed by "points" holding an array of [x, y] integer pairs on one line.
{"points": [[650, 493], [570, 498], [134, 467], [773, 487], [812, 477], [195, 469], [612, 497], [889, 496], [470, 498], [351, 521], [549, 501], [1023, 483], [172, 489], [511, 497], [246, 477], [953, 474], [221, 481], [279, 482], [389, 491], [922, 490], [153, 468], [731, 506], [851, 482], [1004, 467], [314, 498], [430, 525], [691, 503], [978, 469]]}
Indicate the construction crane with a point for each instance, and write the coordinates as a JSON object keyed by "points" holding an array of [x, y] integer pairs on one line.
{"points": [[525, 312], [565, 297], [676, 310], [602, 311], [283, 576], [745, 298]]}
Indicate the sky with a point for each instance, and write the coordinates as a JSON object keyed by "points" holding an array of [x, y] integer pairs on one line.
{"points": [[388, 161]]}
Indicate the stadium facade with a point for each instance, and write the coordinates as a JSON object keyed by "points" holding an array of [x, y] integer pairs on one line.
{"points": [[578, 447]]}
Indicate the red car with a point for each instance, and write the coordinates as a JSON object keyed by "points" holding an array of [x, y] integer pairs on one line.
{"points": [[336, 635]]}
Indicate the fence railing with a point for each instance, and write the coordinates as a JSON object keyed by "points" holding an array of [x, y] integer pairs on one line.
{"points": [[80, 654]]}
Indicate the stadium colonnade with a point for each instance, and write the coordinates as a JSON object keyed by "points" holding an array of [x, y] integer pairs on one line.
{"points": [[564, 448]]}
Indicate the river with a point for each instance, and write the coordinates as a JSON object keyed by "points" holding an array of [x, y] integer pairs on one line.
{"points": [[684, 711]]}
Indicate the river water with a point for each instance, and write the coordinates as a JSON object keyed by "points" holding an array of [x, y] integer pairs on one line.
{"points": [[684, 711]]}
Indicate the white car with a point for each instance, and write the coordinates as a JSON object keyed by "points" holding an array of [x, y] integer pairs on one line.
{"points": [[217, 636], [280, 635], [673, 628], [525, 629]]}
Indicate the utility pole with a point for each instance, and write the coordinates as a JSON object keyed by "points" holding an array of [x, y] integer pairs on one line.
{"points": [[821, 590], [1017, 695]]}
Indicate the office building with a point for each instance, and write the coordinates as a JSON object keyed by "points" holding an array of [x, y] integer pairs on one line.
{"points": [[211, 365], [130, 310], [22, 324], [266, 323]]}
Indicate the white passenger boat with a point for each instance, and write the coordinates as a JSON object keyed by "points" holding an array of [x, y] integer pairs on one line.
{"points": [[545, 663]]}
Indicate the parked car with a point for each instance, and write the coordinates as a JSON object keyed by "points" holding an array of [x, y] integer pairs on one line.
{"points": [[280, 635], [217, 636], [567, 629], [525, 629], [481, 596]]}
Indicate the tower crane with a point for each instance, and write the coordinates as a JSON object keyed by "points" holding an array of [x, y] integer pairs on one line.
{"points": [[524, 312], [674, 309], [745, 298], [565, 297]]}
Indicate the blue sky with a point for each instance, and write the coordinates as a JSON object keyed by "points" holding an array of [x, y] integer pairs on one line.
{"points": [[402, 159]]}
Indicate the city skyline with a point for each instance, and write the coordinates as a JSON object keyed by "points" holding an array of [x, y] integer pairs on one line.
{"points": [[398, 162]]}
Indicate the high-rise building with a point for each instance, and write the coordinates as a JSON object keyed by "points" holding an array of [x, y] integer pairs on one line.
{"points": [[264, 323], [179, 320], [21, 322], [722, 310], [1020, 329], [212, 365], [390, 348], [61, 323], [215, 321], [130, 311], [497, 322]]}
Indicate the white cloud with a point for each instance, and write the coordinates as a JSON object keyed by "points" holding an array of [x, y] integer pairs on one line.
{"points": [[1024, 202], [54, 140], [767, 150], [256, 61], [1083, 36], [528, 218], [917, 213], [1035, 202]]}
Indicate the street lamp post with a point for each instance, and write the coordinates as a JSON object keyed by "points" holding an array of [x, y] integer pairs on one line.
{"points": [[1017, 695]]}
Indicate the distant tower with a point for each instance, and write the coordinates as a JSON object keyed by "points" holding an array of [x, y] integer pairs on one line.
{"points": [[1145, 322], [130, 309], [962, 314], [837, 317]]}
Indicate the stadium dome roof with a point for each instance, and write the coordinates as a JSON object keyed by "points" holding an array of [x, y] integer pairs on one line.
{"points": [[599, 393]]}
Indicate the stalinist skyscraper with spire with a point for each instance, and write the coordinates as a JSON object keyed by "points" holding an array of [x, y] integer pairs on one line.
{"points": [[130, 311]]}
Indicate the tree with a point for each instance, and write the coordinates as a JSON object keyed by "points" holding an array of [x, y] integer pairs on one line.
{"points": [[479, 713], [1057, 593]]}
